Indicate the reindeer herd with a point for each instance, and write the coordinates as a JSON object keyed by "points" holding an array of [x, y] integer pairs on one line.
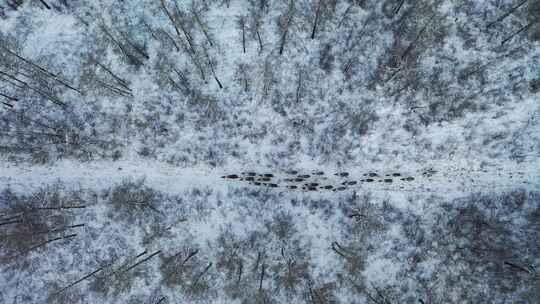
{"points": [[318, 180]]}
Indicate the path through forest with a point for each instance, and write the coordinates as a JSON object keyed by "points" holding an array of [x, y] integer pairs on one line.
{"points": [[442, 178]]}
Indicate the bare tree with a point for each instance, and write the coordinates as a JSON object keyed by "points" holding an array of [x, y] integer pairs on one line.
{"points": [[178, 20], [268, 77], [534, 19], [170, 16], [211, 64], [123, 83], [324, 9], [242, 75], [398, 6], [183, 84], [202, 25], [43, 71], [284, 23], [241, 21], [255, 21], [124, 50], [345, 15], [519, 31], [115, 84], [299, 85], [179, 17], [47, 6], [317, 17], [226, 3], [16, 82], [508, 13]]}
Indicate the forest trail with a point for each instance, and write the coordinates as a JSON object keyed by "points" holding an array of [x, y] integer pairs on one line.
{"points": [[442, 179]]}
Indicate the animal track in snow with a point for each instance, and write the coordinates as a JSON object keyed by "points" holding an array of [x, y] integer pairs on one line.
{"points": [[319, 180], [446, 178]]}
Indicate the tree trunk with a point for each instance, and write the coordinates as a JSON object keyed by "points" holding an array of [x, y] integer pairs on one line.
{"points": [[317, 16], [45, 4], [243, 34], [534, 20]]}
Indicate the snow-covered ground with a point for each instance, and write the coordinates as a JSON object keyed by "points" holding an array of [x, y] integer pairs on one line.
{"points": [[119, 119], [446, 178]]}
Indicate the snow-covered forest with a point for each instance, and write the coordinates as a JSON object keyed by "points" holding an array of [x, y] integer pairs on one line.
{"points": [[270, 151]]}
